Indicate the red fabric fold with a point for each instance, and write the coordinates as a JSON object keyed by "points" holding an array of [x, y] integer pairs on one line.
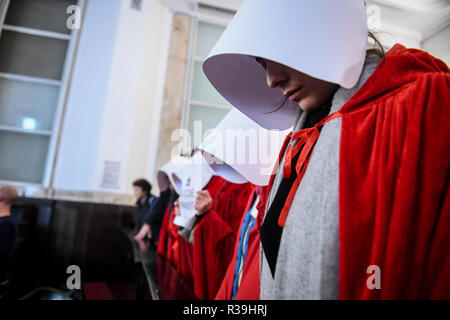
{"points": [[394, 181], [162, 241], [250, 282], [182, 256], [215, 236]]}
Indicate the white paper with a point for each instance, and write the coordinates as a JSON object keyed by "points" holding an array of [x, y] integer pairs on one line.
{"points": [[193, 179], [326, 39]]}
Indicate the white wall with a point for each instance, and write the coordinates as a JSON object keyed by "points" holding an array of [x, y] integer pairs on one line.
{"points": [[85, 108], [149, 96], [120, 107], [439, 45], [116, 95]]}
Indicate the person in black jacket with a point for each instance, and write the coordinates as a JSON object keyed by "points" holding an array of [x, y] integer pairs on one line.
{"points": [[145, 201], [8, 231], [154, 217]]}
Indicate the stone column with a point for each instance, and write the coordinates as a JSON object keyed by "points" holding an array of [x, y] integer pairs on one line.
{"points": [[174, 87]]}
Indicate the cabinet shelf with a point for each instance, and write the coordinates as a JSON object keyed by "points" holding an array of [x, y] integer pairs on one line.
{"points": [[21, 130], [19, 77], [37, 32]]}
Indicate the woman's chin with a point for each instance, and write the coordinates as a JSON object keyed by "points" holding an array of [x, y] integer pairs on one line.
{"points": [[306, 107]]}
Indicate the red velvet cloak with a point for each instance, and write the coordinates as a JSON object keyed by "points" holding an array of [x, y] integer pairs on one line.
{"points": [[215, 236], [185, 249], [163, 234], [168, 238], [250, 282], [394, 180]]}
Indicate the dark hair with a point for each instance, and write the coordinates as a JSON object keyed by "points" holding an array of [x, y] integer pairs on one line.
{"points": [[378, 48], [144, 185]]}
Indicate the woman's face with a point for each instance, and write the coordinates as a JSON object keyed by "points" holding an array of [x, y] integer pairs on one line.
{"points": [[138, 192], [309, 93]]}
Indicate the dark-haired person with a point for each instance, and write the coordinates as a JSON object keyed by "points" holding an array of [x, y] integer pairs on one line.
{"points": [[144, 203], [154, 217], [359, 206], [8, 233]]}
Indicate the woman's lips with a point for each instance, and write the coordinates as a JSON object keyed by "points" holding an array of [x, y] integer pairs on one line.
{"points": [[295, 94]]}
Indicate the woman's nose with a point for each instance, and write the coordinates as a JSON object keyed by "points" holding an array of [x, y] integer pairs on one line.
{"points": [[274, 78]]}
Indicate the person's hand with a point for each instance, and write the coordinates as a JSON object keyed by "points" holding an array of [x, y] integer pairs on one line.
{"points": [[176, 208], [143, 244], [203, 202], [145, 231]]}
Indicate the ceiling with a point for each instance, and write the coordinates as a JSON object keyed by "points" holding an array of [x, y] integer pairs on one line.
{"points": [[417, 19], [408, 21], [413, 18]]}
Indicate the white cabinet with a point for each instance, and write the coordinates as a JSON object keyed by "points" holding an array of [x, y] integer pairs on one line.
{"points": [[35, 54]]}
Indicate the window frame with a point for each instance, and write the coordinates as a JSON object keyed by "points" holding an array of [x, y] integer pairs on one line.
{"points": [[191, 60]]}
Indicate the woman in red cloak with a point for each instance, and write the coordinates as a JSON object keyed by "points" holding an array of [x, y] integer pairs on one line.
{"points": [[359, 204]]}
